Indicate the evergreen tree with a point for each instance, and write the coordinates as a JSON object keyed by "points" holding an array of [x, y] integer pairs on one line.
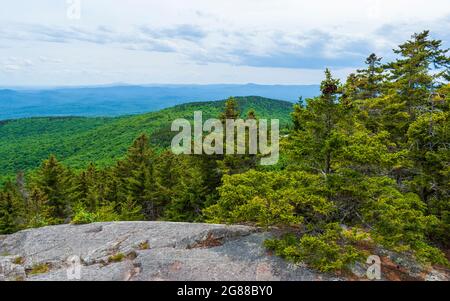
{"points": [[168, 172], [190, 196], [137, 174], [52, 179], [130, 211], [85, 188], [314, 142], [110, 188], [11, 210], [239, 163], [428, 159], [366, 84], [231, 110], [38, 210], [411, 78], [371, 78]]}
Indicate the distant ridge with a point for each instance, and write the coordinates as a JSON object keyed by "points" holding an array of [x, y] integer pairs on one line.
{"points": [[126, 99]]}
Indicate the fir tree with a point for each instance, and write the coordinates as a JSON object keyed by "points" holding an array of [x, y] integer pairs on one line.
{"points": [[137, 172], [52, 180], [38, 210], [371, 78], [314, 143], [410, 74], [11, 210], [84, 188]]}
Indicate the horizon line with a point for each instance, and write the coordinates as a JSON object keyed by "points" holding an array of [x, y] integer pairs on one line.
{"points": [[120, 84]]}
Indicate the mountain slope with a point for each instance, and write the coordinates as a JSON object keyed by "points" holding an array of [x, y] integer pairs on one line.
{"points": [[78, 140]]}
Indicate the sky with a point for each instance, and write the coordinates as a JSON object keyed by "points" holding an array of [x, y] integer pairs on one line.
{"points": [[96, 42]]}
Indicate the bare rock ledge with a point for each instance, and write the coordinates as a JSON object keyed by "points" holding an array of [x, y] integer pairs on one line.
{"points": [[145, 251], [149, 251]]}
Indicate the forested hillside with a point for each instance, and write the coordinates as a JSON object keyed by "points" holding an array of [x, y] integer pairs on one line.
{"points": [[78, 141], [365, 164]]}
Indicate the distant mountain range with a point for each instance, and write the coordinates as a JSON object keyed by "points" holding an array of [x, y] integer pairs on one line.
{"points": [[115, 100]]}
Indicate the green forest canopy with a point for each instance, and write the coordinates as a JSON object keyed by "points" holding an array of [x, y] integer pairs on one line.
{"points": [[78, 141]]}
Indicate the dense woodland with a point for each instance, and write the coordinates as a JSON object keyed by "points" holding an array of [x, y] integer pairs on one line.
{"points": [[78, 141], [366, 163]]}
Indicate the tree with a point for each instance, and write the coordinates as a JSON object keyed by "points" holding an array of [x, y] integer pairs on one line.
{"points": [[38, 210], [411, 79], [272, 199], [231, 110], [52, 179], [428, 160], [239, 163], [313, 142], [371, 78], [11, 210], [367, 83], [189, 196], [212, 167], [136, 172], [130, 211], [84, 188]]}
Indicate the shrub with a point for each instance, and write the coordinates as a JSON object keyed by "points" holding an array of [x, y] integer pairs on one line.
{"points": [[116, 257], [40, 269], [271, 198], [399, 223], [19, 260], [130, 211], [82, 216], [38, 221], [329, 251], [105, 213], [144, 245]]}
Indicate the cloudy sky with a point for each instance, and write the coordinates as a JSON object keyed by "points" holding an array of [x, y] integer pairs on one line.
{"points": [[57, 42]]}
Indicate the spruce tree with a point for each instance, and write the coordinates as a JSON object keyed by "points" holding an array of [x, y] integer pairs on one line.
{"points": [[411, 76], [231, 110], [168, 172], [52, 179], [366, 84], [84, 188], [371, 78], [11, 210], [38, 211], [137, 174], [429, 155], [313, 144]]}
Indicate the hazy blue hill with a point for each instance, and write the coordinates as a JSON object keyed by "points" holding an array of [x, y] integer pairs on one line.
{"points": [[127, 99], [77, 141]]}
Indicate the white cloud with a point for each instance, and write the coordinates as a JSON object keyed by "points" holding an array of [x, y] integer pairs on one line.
{"points": [[45, 59], [207, 41], [14, 64]]}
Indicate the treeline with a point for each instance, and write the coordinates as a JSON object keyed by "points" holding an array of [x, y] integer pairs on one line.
{"points": [[367, 163]]}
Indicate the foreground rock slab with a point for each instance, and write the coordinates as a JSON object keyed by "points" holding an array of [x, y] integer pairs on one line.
{"points": [[145, 251]]}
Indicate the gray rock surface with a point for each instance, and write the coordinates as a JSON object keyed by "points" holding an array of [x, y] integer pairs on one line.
{"points": [[144, 251]]}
